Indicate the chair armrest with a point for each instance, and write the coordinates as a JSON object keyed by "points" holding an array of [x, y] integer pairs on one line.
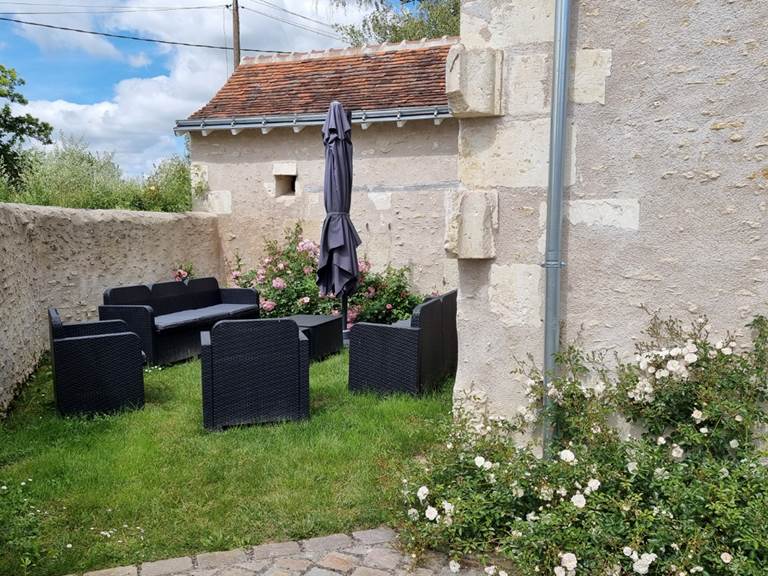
{"points": [[239, 296], [140, 321], [92, 328], [206, 370], [303, 375]]}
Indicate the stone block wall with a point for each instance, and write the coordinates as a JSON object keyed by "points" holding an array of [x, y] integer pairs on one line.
{"points": [[404, 181], [64, 258], [667, 178]]}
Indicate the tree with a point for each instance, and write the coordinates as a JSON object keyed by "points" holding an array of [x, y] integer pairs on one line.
{"points": [[15, 130], [410, 20]]}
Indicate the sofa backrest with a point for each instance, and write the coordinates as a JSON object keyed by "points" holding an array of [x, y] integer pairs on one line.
{"points": [[137, 295], [169, 297], [428, 318], [204, 292]]}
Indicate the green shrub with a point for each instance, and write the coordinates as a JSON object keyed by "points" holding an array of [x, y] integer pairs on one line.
{"points": [[688, 495], [70, 175], [286, 280]]}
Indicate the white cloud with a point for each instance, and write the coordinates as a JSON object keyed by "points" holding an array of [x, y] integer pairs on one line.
{"points": [[137, 122]]}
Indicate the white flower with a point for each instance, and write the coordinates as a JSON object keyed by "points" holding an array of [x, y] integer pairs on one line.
{"points": [[677, 452], [712, 354], [719, 344], [690, 358], [593, 484], [503, 573], [454, 566], [660, 441], [413, 514], [675, 352], [632, 467], [724, 473], [479, 461], [726, 558], [673, 365], [704, 430], [487, 465], [660, 474], [422, 493], [569, 561], [546, 493], [431, 513], [733, 443], [560, 571], [738, 418], [490, 570], [3, 487], [627, 551], [447, 507], [697, 415], [642, 564], [578, 500], [662, 374], [727, 350], [567, 456], [492, 478], [69, 545], [449, 445]]}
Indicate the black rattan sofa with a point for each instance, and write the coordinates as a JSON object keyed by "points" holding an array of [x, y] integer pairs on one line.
{"points": [[254, 371], [97, 366], [411, 356], [169, 316]]}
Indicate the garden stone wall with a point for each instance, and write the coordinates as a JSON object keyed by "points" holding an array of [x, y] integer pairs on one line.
{"points": [[65, 258], [667, 179]]}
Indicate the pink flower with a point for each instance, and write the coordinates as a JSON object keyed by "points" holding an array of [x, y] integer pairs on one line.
{"points": [[308, 270], [388, 306], [267, 260], [281, 266], [278, 283], [364, 266], [371, 292], [235, 274], [304, 300], [335, 313], [307, 246], [268, 305]]}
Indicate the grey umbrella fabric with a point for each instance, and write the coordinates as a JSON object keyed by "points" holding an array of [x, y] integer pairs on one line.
{"points": [[337, 267]]}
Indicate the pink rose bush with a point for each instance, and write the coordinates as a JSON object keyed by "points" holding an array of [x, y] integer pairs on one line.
{"points": [[286, 280]]}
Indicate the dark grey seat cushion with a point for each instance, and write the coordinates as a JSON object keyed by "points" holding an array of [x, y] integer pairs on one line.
{"points": [[403, 323], [208, 314]]}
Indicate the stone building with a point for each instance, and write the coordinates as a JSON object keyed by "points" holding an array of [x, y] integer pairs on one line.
{"points": [[667, 183], [257, 149]]}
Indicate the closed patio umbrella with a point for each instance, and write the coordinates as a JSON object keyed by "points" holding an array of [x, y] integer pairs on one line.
{"points": [[337, 268]]}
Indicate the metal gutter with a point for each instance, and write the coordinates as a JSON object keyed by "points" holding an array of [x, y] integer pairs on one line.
{"points": [[553, 262], [299, 121]]}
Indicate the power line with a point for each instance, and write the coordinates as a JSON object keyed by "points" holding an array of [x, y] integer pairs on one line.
{"points": [[302, 16], [117, 11], [295, 24], [126, 37]]}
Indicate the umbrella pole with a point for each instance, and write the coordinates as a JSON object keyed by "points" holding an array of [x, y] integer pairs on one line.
{"points": [[344, 311]]}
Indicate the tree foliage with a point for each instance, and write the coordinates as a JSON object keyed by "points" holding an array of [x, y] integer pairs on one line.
{"points": [[16, 129], [408, 20]]}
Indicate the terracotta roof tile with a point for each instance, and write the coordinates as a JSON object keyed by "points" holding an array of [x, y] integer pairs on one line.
{"points": [[393, 76]]}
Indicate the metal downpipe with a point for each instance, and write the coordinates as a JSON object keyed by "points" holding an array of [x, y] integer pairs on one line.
{"points": [[553, 262]]}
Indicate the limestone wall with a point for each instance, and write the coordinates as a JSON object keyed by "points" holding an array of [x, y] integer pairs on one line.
{"points": [[66, 258], [403, 180], [667, 179]]}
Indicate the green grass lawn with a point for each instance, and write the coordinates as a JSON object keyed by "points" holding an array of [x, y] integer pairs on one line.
{"points": [[152, 484]]}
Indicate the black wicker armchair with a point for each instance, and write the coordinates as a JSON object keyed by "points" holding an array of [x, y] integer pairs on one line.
{"points": [[169, 316], [408, 356], [254, 371], [97, 366]]}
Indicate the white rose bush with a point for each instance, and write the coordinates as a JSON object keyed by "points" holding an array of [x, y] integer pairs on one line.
{"points": [[671, 500]]}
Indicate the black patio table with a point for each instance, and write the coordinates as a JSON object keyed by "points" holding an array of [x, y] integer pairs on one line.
{"points": [[324, 333]]}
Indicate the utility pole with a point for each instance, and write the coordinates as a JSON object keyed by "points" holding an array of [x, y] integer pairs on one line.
{"points": [[236, 33]]}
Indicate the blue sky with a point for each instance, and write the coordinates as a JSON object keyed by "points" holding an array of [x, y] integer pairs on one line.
{"points": [[123, 96]]}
